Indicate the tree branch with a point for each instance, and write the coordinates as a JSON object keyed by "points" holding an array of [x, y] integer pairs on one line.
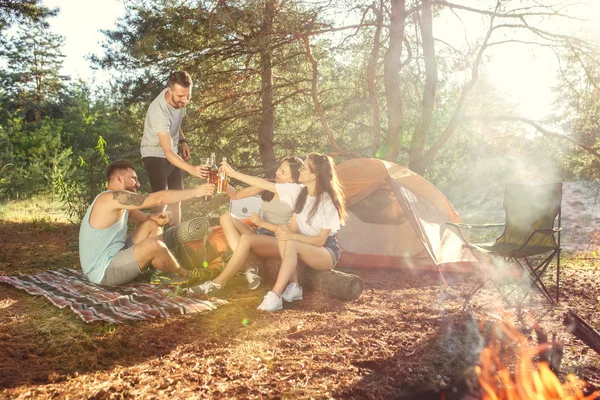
{"points": [[454, 121], [538, 127], [371, 72], [495, 13], [315, 97]]}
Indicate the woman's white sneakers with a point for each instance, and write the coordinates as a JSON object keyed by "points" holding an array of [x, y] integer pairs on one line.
{"points": [[292, 292], [272, 302]]}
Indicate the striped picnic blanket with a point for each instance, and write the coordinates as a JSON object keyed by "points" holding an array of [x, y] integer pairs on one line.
{"points": [[116, 304]]}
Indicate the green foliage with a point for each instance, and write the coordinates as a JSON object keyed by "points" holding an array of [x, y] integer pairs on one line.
{"points": [[35, 152], [50, 127], [578, 112], [23, 10], [77, 187], [31, 84], [53, 131], [2, 178], [221, 48]]}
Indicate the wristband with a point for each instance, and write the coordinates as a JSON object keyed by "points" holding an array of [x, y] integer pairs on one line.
{"points": [[182, 141]]}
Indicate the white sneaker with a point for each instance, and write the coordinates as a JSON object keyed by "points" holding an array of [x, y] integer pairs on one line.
{"points": [[292, 292], [252, 278], [271, 302], [206, 287]]}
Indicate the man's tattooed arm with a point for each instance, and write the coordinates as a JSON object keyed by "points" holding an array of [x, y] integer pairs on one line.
{"points": [[129, 198]]}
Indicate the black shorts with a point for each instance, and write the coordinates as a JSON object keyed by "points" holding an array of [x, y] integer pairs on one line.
{"points": [[162, 174]]}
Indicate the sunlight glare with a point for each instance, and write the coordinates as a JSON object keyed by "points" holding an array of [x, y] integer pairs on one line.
{"points": [[5, 303]]}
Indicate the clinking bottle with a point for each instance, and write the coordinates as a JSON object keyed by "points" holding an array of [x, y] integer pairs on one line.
{"points": [[214, 170], [222, 183]]}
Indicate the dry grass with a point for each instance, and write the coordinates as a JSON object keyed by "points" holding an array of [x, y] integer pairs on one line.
{"points": [[40, 209], [406, 333]]}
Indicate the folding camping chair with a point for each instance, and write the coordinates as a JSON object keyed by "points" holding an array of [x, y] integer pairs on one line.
{"points": [[530, 240]]}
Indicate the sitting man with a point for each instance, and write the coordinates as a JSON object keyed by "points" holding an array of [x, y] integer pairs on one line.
{"points": [[108, 257]]}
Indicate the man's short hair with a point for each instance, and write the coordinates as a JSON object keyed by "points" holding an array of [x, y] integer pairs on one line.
{"points": [[180, 78], [119, 165]]}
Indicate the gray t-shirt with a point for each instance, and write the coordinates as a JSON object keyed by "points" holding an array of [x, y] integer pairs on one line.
{"points": [[160, 117], [276, 212]]}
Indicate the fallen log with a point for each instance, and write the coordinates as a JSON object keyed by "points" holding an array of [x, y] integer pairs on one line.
{"points": [[579, 328], [334, 283]]}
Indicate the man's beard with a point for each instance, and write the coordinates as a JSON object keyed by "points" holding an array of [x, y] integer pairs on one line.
{"points": [[177, 105]]}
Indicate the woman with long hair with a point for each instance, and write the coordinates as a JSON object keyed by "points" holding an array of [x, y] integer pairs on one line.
{"points": [[319, 210], [275, 213]]}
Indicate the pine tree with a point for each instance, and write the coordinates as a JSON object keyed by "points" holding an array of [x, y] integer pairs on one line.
{"points": [[31, 83], [12, 11]]}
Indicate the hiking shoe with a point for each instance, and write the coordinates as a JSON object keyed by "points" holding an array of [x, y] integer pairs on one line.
{"points": [[199, 274], [271, 302], [252, 277], [167, 278], [206, 288], [292, 292]]}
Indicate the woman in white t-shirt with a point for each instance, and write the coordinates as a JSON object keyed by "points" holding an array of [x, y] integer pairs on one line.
{"points": [[262, 241], [318, 204]]}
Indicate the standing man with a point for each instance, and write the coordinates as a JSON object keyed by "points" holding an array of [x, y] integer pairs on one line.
{"points": [[107, 255], [163, 137]]}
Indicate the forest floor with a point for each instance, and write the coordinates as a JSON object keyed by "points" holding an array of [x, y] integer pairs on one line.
{"points": [[405, 334]]}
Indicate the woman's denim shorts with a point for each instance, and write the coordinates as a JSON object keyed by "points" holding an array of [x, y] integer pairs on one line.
{"points": [[263, 231], [333, 247]]}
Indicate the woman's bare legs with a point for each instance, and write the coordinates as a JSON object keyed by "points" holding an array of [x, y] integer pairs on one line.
{"points": [[233, 228], [266, 246], [316, 257]]}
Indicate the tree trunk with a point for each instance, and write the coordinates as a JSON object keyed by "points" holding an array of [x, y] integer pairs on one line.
{"points": [[266, 128], [371, 73], [419, 139], [455, 120], [391, 73], [335, 283]]}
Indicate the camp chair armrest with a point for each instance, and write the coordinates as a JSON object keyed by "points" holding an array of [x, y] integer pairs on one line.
{"points": [[458, 227], [470, 226], [486, 225], [538, 231]]}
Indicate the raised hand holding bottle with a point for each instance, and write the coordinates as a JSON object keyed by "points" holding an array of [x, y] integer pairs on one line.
{"points": [[208, 178], [222, 183]]}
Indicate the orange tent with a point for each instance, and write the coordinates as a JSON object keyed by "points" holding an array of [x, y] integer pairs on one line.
{"points": [[397, 219]]}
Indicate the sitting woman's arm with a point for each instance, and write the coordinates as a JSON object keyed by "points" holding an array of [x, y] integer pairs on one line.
{"points": [[291, 233], [261, 183], [261, 223], [242, 193]]}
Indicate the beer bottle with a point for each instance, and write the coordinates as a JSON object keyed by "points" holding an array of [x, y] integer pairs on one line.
{"points": [[214, 169], [222, 185], [208, 180]]}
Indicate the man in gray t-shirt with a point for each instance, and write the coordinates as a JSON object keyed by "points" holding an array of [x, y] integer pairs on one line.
{"points": [[163, 137]]}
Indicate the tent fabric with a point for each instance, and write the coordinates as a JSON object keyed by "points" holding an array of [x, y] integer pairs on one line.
{"points": [[397, 219]]}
